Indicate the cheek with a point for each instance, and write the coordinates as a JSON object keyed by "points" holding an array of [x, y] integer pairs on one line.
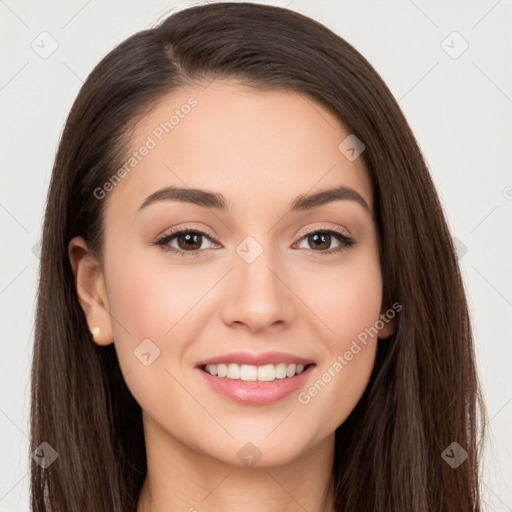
{"points": [[346, 299], [157, 302], [151, 300]]}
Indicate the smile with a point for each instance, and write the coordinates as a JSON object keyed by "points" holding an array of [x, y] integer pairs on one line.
{"points": [[248, 372]]}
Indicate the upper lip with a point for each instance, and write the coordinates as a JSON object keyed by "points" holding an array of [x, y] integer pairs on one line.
{"points": [[261, 359]]}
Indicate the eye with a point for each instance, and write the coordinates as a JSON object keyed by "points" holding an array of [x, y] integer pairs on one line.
{"points": [[189, 241], [322, 238]]}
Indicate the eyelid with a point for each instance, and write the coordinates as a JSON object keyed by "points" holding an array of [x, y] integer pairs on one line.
{"points": [[342, 231]]}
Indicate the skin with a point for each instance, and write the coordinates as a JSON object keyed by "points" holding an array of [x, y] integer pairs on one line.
{"points": [[260, 149]]}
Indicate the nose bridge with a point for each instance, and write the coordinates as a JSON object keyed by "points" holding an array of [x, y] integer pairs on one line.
{"points": [[256, 294]]}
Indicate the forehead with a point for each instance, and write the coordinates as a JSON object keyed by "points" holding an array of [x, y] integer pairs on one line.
{"points": [[255, 147]]}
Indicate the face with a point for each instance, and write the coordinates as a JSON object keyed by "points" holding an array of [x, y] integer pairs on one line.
{"points": [[268, 272]]}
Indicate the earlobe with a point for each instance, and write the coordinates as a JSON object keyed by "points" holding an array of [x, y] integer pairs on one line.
{"points": [[387, 320], [388, 329], [91, 291]]}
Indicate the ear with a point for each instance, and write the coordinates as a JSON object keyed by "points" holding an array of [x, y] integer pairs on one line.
{"points": [[91, 290], [388, 315]]}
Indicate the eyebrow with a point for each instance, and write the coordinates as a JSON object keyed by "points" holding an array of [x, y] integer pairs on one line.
{"points": [[217, 201]]}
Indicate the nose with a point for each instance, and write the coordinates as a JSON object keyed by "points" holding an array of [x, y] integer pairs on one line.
{"points": [[258, 294]]}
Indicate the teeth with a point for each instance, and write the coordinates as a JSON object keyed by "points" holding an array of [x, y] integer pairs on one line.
{"points": [[248, 372]]}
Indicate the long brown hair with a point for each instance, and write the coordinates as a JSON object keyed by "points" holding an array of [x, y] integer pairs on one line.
{"points": [[423, 394]]}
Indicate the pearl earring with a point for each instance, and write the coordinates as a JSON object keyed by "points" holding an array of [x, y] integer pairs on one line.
{"points": [[95, 331]]}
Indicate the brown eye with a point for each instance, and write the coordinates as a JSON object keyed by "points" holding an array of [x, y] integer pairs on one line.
{"points": [[320, 241], [188, 241]]}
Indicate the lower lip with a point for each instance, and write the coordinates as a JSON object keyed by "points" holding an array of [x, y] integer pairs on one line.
{"points": [[256, 393]]}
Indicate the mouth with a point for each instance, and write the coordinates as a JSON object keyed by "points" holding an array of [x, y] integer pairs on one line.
{"points": [[256, 385], [254, 373]]}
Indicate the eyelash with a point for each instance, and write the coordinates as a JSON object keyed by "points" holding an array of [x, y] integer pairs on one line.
{"points": [[345, 241]]}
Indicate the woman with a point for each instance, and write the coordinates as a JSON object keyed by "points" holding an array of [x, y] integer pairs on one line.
{"points": [[249, 295]]}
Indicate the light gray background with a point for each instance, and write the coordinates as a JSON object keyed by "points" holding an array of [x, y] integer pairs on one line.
{"points": [[459, 109]]}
